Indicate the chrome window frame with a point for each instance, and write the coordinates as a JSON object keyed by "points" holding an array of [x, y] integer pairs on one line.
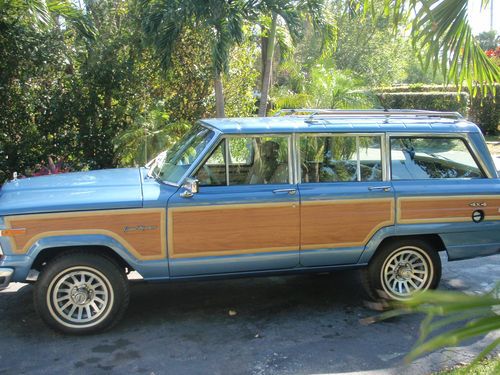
{"points": [[383, 154], [462, 136], [223, 137]]}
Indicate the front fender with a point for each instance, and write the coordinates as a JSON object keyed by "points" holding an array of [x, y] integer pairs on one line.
{"points": [[23, 263]]}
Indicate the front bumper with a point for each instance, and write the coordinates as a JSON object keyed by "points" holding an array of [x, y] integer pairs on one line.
{"points": [[5, 277]]}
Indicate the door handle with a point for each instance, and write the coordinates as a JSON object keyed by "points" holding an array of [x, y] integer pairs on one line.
{"points": [[289, 191], [377, 188]]}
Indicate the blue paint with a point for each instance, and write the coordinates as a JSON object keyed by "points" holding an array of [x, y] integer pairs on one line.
{"points": [[94, 190]]}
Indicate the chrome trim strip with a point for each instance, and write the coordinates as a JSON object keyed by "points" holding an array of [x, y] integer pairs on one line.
{"points": [[386, 158], [295, 155], [227, 156], [358, 162], [290, 161], [7, 274]]}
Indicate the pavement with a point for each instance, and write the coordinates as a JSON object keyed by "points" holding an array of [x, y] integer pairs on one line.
{"points": [[302, 324]]}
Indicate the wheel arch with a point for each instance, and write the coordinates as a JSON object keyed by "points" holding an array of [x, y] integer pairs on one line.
{"points": [[45, 255], [433, 239]]}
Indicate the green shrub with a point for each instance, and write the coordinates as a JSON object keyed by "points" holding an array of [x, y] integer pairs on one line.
{"points": [[417, 87], [437, 101], [483, 111]]}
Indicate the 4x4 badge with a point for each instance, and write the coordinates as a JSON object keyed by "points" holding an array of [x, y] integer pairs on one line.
{"points": [[478, 204]]}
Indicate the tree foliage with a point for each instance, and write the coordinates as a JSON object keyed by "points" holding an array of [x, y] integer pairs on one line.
{"points": [[107, 83]]}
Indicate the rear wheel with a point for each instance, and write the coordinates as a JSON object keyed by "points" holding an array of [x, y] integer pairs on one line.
{"points": [[81, 292], [401, 269]]}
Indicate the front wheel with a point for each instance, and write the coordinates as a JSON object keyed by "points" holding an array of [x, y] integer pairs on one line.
{"points": [[81, 292], [402, 269]]}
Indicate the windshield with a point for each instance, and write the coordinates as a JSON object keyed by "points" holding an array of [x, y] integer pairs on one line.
{"points": [[172, 166]]}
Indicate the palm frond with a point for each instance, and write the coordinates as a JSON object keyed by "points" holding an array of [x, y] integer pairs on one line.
{"points": [[440, 30], [457, 316], [40, 14]]}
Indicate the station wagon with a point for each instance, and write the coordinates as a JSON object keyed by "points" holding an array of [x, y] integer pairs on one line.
{"points": [[309, 191]]}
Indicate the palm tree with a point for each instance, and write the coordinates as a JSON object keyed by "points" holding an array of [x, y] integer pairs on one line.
{"points": [[222, 20], [291, 13], [42, 14]]}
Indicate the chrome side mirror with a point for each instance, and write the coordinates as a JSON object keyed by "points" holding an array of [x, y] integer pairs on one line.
{"points": [[192, 186]]}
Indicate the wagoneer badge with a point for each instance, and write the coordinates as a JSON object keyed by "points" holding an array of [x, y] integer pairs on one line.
{"points": [[140, 228]]}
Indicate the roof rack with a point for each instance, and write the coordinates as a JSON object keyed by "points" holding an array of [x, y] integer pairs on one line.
{"points": [[315, 114]]}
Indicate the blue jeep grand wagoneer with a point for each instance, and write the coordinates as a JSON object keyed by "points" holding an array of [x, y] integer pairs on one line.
{"points": [[376, 190]]}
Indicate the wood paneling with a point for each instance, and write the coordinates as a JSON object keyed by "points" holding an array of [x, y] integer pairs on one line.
{"points": [[446, 209], [232, 229], [122, 225], [343, 223]]}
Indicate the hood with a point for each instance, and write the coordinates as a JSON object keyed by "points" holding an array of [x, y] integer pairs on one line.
{"points": [[94, 190]]}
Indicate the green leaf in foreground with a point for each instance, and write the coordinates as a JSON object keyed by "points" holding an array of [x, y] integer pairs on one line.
{"points": [[450, 318]]}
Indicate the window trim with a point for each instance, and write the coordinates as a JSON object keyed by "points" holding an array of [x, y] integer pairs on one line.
{"points": [[464, 138], [383, 154], [225, 138]]}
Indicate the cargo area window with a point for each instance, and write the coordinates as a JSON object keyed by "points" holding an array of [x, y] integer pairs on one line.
{"points": [[417, 158], [340, 158]]}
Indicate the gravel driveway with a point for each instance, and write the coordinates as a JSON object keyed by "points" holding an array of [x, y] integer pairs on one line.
{"points": [[278, 325]]}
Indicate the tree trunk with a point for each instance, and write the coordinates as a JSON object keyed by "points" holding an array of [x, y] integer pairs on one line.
{"points": [[266, 81], [263, 56], [219, 94]]}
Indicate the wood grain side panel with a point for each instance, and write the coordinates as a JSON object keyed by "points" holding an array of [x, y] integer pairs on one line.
{"points": [[223, 230], [446, 209], [343, 223], [144, 244]]}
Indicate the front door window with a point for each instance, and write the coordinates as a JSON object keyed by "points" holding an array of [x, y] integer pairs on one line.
{"points": [[249, 161]]}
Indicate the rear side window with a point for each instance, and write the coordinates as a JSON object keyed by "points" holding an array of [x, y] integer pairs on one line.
{"points": [[414, 158], [340, 158]]}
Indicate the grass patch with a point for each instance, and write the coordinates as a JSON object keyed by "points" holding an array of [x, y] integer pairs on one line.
{"points": [[493, 138], [487, 367]]}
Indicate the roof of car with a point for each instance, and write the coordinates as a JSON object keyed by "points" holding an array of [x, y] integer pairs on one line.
{"points": [[341, 124]]}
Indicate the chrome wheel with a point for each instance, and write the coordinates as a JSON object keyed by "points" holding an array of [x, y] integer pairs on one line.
{"points": [[80, 297], [406, 271]]}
